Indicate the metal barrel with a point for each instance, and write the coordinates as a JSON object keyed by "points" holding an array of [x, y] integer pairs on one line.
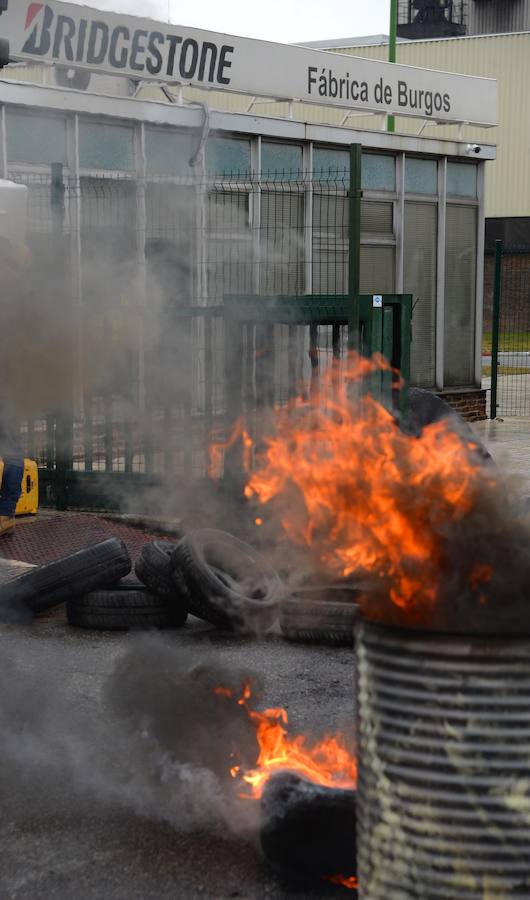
{"points": [[443, 730]]}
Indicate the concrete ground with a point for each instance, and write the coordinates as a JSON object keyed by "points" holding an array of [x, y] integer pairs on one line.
{"points": [[508, 440], [95, 835], [64, 837]]}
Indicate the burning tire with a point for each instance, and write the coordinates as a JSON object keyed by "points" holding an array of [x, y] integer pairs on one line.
{"points": [[308, 831], [155, 570], [425, 408], [125, 607], [229, 583], [324, 615], [47, 586]]}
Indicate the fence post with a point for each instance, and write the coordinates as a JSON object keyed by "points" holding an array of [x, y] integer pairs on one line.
{"points": [[354, 252], [497, 292], [64, 417]]}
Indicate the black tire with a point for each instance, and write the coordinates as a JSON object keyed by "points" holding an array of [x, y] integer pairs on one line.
{"points": [[121, 596], [323, 615], [154, 569], [120, 619], [124, 607], [425, 408], [56, 582], [308, 831], [229, 583]]}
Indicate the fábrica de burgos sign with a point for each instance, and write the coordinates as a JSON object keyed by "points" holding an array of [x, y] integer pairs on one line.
{"points": [[78, 36]]}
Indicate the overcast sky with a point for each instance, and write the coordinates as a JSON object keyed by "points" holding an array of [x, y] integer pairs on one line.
{"points": [[274, 20]]}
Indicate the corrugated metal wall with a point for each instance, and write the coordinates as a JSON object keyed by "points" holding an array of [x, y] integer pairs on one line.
{"points": [[495, 16]]}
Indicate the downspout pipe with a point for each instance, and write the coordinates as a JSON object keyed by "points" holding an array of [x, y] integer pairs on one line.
{"points": [[391, 122]]}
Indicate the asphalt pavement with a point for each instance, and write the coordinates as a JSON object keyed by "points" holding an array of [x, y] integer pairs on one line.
{"points": [[87, 813]]}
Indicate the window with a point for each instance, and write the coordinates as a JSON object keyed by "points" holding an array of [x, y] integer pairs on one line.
{"points": [[34, 138], [110, 284], [171, 261], [377, 273], [170, 214], [460, 278], [330, 243], [421, 176], [105, 146], [230, 246], [378, 172], [462, 179], [228, 156], [419, 264], [281, 162], [377, 270], [282, 250], [331, 163], [377, 218], [168, 152]]}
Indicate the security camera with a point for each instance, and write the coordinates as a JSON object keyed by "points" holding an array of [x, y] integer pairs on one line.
{"points": [[473, 148]]}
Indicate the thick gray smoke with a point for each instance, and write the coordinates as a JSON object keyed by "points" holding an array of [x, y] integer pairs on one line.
{"points": [[111, 344], [157, 740]]}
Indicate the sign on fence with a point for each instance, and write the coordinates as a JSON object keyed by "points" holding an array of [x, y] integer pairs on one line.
{"points": [[78, 36]]}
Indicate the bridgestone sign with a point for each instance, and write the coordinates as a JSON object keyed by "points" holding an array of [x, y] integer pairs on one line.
{"points": [[80, 37]]}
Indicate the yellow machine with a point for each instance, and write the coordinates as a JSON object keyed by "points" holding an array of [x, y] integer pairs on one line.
{"points": [[29, 500], [15, 259]]}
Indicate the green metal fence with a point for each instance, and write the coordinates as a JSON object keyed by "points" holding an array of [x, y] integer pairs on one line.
{"points": [[506, 350], [165, 308]]}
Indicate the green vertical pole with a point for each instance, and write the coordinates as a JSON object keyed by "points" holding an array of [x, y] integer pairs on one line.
{"points": [[497, 292], [388, 352], [404, 350], [354, 254], [391, 122], [376, 347], [64, 425], [57, 196]]}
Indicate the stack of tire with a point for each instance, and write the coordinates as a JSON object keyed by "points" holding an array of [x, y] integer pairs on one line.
{"points": [[217, 578], [99, 592], [147, 599], [209, 574]]}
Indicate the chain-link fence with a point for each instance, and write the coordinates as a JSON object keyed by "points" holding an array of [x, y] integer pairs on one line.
{"points": [[506, 348]]}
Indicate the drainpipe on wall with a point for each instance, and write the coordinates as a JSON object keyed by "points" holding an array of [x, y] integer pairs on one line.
{"points": [[391, 122]]}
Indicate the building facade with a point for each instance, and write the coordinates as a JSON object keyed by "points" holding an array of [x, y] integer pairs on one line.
{"points": [[423, 203], [149, 204], [505, 57]]}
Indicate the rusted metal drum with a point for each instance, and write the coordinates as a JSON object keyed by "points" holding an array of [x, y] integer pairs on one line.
{"points": [[443, 728]]}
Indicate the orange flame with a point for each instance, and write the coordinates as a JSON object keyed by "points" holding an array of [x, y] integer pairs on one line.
{"points": [[373, 499], [347, 881], [480, 574], [327, 762]]}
